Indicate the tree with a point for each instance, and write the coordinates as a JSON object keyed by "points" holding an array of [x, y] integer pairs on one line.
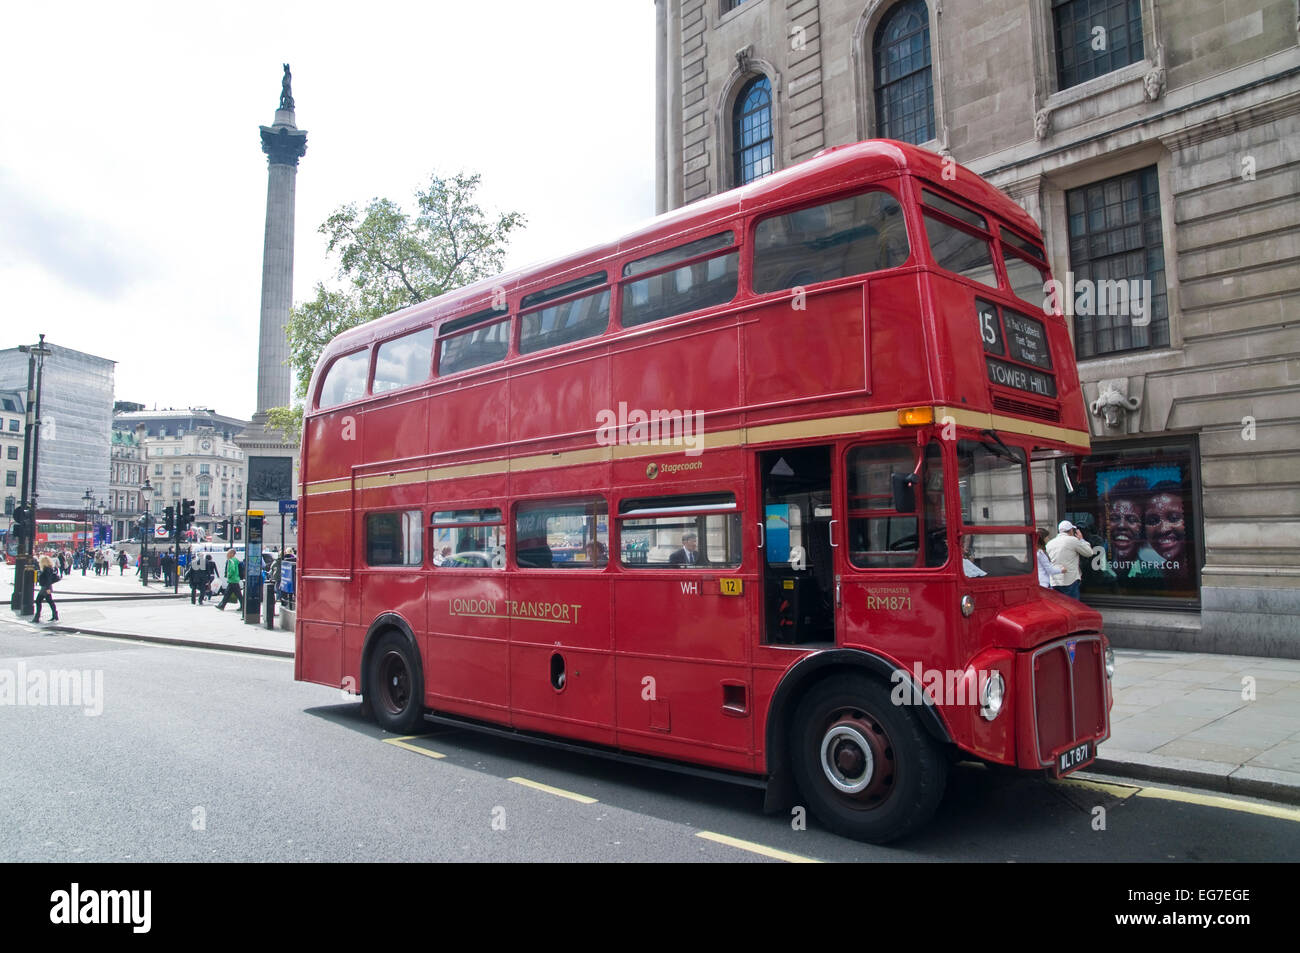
{"points": [[390, 259]]}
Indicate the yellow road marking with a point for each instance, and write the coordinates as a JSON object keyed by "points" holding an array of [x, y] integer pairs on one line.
{"points": [[1114, 790], [1226, 803], [756, 848], [558, 792], [405, 743]]}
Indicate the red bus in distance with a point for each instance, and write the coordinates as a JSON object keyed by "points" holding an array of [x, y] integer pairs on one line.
{"points": [[747, 489], [52, 535]]}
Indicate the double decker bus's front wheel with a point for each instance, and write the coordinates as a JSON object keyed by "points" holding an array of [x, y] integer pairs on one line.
{"points": [[866, 766], [395, 688]]}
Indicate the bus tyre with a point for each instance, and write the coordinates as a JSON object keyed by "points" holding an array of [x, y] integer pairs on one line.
{"points": [[865, 766], [395, 686]]}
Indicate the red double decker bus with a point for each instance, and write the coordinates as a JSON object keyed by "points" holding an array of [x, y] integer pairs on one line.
{"points": [[52, 535], [747, 489]]}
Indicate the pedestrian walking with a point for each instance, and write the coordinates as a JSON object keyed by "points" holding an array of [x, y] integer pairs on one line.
{"points": [[232, 582], [1064, 549], [46, 581], [210, 567], [1047, 570], [121, 563], [197, 576]]}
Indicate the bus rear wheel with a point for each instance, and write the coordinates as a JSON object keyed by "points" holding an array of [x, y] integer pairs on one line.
{"points": [[395, 687], [866, 766]]}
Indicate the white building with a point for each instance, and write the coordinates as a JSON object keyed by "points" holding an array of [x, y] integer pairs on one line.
{"points": [[191, 454]]}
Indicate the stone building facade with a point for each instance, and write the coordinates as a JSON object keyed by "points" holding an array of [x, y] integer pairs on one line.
{"points": [[191, 454], [126, 476], [1155, 141]]}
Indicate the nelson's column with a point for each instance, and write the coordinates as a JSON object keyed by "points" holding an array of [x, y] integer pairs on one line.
{"points": [[273, 459]]}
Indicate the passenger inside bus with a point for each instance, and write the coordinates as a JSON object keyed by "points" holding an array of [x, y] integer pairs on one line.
{"points": [[688, 555]]}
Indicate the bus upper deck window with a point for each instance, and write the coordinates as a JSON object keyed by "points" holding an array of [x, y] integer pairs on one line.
{"points": [[403, 361], [960, 252], [345, 380], [850, 236], [473, 341], [955, 249], [1028, 281], [564, 323], [704, 282]]}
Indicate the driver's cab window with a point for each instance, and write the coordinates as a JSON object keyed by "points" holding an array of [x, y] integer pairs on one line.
{"points": [[896, 507]]}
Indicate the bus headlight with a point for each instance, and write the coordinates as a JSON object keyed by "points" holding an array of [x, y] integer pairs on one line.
{"points": [[1110, 662], [992, 695]]}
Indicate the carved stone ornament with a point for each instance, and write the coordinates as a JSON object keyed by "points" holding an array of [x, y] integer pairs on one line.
{"points": [[1153, 84], [1113, 404], [1042, 124], [743, 57]]}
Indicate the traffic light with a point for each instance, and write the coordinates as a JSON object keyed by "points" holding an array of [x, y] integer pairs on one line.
{"points": [[187, 514], [20, 528], [169, 519], [239, 530]]}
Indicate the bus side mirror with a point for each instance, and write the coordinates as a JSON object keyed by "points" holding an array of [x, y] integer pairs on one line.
{"points": [[1069, 474], [903, 490]]}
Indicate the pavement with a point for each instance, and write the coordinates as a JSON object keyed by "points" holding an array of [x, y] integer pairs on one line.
{"points": [[1225, 722], [119, 606]]}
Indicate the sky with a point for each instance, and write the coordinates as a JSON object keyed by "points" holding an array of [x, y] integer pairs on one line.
{"points": [[133, 185]]}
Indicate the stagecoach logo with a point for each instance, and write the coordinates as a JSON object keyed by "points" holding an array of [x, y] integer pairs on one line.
{"points": [[651, 470], [1069, 647]]}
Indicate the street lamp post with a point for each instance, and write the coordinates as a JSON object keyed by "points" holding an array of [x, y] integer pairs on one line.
{"points": [[146, 527], [24, 561], [89, 500]]}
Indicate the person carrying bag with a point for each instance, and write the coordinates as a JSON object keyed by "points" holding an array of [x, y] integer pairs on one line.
{"points": [[46, 581], [232, 582]]}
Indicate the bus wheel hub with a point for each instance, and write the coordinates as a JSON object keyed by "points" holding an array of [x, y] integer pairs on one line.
{"points": [[856, 757], [397, 681]]}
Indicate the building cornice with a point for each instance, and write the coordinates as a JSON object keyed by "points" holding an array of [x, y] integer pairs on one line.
{"points": [[1251, 95]]}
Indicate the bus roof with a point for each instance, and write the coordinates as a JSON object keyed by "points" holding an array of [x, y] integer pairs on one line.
{"points": [[831, 169]]}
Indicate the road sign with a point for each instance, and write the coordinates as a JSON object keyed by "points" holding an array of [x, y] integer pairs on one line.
{"points": [[289, 506]]}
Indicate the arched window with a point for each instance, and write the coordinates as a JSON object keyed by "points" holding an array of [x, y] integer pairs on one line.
{"points": [[904, 89], [751, 136]]}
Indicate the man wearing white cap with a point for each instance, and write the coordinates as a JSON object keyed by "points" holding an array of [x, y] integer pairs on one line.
{"points": [[1064, 549]]}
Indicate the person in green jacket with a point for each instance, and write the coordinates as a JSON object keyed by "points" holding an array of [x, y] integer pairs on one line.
{"points": [[232, 582]]}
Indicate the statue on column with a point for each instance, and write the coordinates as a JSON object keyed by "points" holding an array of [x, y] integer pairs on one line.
{"points": [[286, 95]]}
